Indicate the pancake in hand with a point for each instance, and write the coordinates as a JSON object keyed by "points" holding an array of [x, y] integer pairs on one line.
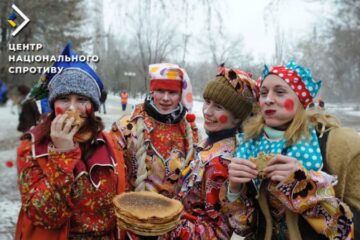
{"points": [[261, 162], [76, 115]]}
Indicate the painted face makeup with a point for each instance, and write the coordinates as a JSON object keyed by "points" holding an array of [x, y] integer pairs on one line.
{"points": [[289, 105], [223, 119], [59, 110], [73, 102], [89, 109], [217, 118], [278, 102], [166, 101]]}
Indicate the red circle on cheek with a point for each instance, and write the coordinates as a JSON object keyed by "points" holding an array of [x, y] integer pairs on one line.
{"points": [[89, 109], [289, 104], [59, 110], [156, 97], [223, 119]]}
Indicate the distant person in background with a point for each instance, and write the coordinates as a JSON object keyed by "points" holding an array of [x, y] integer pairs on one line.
{"points": [[3, 93], [124, 99], [15, 100], [103, 98], [45, 108], [29, 112]]}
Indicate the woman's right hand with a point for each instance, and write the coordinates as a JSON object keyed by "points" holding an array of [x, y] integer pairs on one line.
{"points": [[240, 171], [62, 131]]}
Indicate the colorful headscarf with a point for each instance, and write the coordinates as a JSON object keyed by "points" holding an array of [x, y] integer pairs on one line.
{"points": [[239, 80], [168, 76], [234, 90], [298, 78]]}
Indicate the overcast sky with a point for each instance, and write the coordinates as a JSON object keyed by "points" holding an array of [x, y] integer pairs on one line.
{"points": [[296, 18], [257, 24]]}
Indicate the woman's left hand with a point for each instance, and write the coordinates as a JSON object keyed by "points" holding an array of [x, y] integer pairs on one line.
{"points": [[280, 167]]}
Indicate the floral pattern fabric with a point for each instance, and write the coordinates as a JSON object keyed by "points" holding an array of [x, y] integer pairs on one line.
{"points": [[166, 149], [309, 193], [52, 195], [203, 217]]}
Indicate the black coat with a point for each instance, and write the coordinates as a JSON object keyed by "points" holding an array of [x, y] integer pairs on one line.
{"points": [[29, 116]]}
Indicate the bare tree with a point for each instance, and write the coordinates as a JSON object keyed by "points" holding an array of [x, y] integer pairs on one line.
{"points": [[52, 24], [157, 31], [152, 42], [335, 52]]}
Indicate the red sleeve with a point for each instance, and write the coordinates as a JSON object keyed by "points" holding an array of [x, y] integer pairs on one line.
{"points": [[45, 184]]}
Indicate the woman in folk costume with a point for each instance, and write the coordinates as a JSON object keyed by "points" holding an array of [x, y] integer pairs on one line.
{"points": [[292, 197], [228, 100], [157, 138], [69, 169]]}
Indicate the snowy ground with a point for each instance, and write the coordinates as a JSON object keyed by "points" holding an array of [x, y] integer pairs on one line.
{"points": [[9, 196]]}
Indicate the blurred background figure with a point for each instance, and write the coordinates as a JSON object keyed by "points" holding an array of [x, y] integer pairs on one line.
{"points": [[318, 104], [29, 112], [15, 98], [103, 98], [124, 99], [3, 93], [45, 108]]}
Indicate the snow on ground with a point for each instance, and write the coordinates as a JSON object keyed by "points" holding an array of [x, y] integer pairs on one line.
{"points": [[349, 114], [9, 195]]}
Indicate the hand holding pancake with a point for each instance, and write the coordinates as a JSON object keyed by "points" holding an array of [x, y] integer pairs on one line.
{"points": [[280, 167], [63, 128], [261, 162], [78, 120], [240, 171]]}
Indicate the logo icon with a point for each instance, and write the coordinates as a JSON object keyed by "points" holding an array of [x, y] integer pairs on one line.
{"points": [[13, 16], [11, 20]]}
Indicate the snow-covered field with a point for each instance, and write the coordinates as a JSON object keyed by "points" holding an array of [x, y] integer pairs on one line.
{"points": [[9, 195]]}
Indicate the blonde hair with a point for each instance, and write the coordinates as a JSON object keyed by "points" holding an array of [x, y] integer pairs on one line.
{"points": [[299, 126]]}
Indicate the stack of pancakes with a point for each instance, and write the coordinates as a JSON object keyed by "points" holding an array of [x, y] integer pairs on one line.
{"points": [[147, 213]]}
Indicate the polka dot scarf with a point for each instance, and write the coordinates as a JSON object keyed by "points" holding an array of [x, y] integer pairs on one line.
{"points": [[307, 151]]}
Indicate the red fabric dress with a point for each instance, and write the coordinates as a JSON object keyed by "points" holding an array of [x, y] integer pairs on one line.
{"points": [[204, 217], [166, 148], [64, 197]]}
